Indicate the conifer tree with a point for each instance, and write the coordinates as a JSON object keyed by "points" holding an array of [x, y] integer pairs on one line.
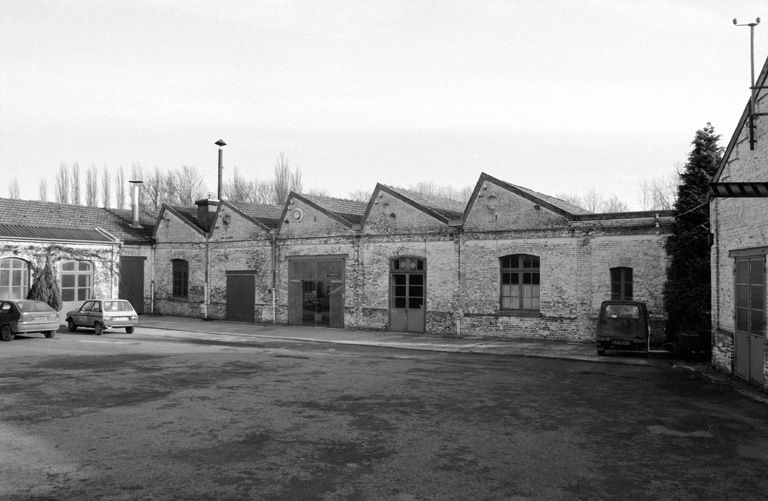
{"points": [[45, 288], [687, 288]]}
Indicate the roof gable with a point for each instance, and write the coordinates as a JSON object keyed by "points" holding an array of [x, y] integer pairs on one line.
{"points": [[184, 215], [740, 137], [305, 215], [391, 209]]}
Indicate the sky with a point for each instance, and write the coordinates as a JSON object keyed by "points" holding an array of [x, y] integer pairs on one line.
{"points": [[558, 96]]}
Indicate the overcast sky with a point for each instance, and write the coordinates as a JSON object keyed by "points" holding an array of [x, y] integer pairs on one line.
{"points": [[557, 96]]}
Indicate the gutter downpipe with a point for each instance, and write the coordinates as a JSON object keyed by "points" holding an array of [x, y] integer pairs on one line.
{"points": [[206, 286], [152, 280], [274, 279]]}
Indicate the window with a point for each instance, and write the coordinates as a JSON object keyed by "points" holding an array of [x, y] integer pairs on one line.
{"points": [[750, 295], [180, 278], [14, 278], [621, 284], [76, 281], [520, 282]]}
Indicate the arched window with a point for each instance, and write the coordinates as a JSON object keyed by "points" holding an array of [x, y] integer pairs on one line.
{"points": [[76, 281], [180, 278], [14, 278], [520, 282], [621, 283]]}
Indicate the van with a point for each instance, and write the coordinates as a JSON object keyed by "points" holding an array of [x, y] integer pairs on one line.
{"points": [[623, 325]]}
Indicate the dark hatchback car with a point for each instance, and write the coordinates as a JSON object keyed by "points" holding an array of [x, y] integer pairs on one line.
{"points": [[623, 325], [22, 316]]}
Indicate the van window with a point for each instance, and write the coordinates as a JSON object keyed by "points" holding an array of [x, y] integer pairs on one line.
{"points": [[622, 311]]}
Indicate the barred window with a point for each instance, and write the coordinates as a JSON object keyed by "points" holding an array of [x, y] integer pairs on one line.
{"points": [[76, 281], [180, 278], [621, 283], [14, 278], [520, 282]]}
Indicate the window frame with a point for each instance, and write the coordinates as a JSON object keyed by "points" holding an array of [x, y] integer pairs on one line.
{"points": [[623, 278], [514, 271], [22, 271], [180, 278], [78, 271]]}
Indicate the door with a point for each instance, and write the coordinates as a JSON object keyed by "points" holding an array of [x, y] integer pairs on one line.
{"points": [[316, 304], [241, 297], [132, 281], [316, 291], [407, 310], [749, 339]]}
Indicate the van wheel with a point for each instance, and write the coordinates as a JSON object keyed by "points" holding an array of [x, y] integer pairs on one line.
{"points": [[71, 325], [601, 352], [129, 330], [49, 334], [6, 334], [99, 328]]}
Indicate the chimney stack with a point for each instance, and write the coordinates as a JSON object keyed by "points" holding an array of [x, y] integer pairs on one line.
{"points": [[135, 186], [221, 144]]}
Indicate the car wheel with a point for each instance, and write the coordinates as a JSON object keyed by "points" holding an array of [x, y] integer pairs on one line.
{"points": [[71, 325], [6, 334], [129, 330], [99, 328], [601, 352], [49, 334]]}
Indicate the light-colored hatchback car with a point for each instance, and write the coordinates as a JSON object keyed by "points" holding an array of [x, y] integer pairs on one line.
{"points": [[21, 316], [102, 314]]}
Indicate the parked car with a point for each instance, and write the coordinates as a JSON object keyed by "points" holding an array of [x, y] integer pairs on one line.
{"points": [[623, 325], [21, 316], [102, 314]]}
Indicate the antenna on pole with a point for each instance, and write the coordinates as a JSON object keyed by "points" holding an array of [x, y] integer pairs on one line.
{"points": [[752, 114]]}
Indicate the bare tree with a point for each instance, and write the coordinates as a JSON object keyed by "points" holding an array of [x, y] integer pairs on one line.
{"points": [[156, 189], [105, 187], [13, 189], [92, 186], [239, 189], [187, 185], [62, 184], [75, 183], [42, 190], [615, 204], [360, 196], [285, 180], [320, 192], [449, 192], [593, 201], [120, 188]]}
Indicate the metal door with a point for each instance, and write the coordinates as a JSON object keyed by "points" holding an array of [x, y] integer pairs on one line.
{"points": [[241, 297], [132, 281], [749, 339], [407, 310]]}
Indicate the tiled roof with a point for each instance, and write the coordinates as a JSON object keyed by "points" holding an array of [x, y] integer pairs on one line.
{"points": [[557, 202], [351, 210], [268, 215], [51, 214], [451, 209], [58, 233], [188, 213]]}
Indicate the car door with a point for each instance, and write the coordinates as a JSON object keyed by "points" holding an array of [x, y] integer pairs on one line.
{"points": [[5, 312], [81, 316]]}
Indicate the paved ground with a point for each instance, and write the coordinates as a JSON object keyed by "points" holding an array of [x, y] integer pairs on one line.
{"points": [[226, 413]]}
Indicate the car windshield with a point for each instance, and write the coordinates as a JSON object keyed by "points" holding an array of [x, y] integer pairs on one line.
{"points": [[116, 306], [622, 311], [33, 306]]}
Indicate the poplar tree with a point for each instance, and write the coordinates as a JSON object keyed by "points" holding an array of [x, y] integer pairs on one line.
{"points": [[687, 287]]}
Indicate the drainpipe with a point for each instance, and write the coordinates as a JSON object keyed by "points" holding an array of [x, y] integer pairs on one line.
{"points": [[152, 280], [206, 285], [274, 279]]}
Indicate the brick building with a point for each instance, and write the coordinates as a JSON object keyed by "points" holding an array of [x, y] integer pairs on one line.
{"points": [[739, 222], [93, 252], [511, 262]]}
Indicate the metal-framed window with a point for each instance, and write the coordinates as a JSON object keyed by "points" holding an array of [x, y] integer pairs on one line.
{"points": [[76, 281], [621, 283], [520, 282], [180, 278], [750, 294], [14, 278]]}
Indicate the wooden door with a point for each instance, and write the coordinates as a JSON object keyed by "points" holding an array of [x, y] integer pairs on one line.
{"points": [[132, 281], [749, 338], [407, 301], [241, 297]]}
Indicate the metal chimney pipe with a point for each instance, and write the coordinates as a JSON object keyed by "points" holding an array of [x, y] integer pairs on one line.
{"points": [[135, 186], [221, 144]]}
